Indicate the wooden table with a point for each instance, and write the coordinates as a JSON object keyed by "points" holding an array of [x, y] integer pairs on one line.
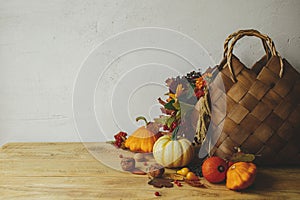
{"points": [[69, 171]]}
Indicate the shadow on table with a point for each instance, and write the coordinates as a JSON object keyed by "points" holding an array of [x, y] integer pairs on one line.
{"points": [[262, 183]]}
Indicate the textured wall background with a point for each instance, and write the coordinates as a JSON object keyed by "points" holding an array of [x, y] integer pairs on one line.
{"points": [[43, 43]]}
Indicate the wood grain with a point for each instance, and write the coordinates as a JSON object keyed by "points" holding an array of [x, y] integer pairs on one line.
{"points": [[69, 171]]}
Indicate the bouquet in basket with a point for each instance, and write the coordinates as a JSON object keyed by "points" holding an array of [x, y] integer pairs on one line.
{"points": [[187, 107]]}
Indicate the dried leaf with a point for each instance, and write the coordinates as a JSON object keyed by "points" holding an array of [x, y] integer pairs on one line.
{"points": [[179, 90], [162, 102], [153, 127], [161, 182], [242, 157], [169, 81], [166, 111], [138, 171], [195, 183]]}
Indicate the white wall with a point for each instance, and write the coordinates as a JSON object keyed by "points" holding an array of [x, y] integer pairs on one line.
{"points": [[43, 43]]}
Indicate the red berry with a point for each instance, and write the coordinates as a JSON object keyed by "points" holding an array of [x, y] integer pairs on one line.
{"points": [[179, 184], [199, 93], [157, 194], [120, 156], [123, 134], [117, 137], [165, 127], [174, 125], [118, 143]]}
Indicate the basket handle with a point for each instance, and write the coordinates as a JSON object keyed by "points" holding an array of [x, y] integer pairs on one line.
{"points": [[267, 43], [233, 35]]}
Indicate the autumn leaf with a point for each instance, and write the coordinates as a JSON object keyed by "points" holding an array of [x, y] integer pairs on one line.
{"points": [[179, 90], [169, 105], [162, 119], [239, 156], [242, 157]]}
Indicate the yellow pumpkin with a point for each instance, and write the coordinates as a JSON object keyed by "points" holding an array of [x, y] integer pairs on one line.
{"points": [[143, 139], [172, 152], [240, 175]]}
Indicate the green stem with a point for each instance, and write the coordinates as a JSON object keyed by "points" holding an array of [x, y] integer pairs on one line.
{"points": [[174, 133], [141, 118]]}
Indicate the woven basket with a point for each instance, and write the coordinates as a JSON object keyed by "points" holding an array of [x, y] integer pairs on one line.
{"points": [[262, 112]]}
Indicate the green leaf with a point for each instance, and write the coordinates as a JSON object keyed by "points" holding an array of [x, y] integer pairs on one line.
{"points": [[176, 105], [170, 121], [178, 115], [169, 105], [162, 119]]}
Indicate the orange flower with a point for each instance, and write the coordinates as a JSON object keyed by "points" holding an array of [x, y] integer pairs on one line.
{"points": [[200, 82]]}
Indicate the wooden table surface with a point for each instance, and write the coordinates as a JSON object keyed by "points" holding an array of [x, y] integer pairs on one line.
{"points": [[69, 171]]}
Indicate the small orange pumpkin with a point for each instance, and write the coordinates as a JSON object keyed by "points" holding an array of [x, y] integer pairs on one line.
{"points": [[240, 175], [143, 139]]}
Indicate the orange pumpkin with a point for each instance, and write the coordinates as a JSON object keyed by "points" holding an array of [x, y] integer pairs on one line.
{"points": [[240, 175], [214, 169], [143, 139]]}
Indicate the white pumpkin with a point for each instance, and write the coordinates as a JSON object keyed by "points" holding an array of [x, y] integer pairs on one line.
{"points": [[170, 152]]}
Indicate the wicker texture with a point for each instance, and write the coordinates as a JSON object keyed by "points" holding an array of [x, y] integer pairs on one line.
{"points": [[262, 105]]}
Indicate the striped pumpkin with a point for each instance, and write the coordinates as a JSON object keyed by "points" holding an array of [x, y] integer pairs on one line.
{"points": [[171, 153]]}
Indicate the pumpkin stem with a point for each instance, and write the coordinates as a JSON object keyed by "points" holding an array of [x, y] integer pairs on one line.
{"points": [[142, 118], [174, 133]]}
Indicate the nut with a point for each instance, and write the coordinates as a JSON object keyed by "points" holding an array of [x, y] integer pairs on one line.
{"points": [[127, 163], [156, 170]]}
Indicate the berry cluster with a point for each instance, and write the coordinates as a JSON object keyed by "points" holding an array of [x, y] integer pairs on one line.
{"points": [[120, 139], [171, 128]]}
